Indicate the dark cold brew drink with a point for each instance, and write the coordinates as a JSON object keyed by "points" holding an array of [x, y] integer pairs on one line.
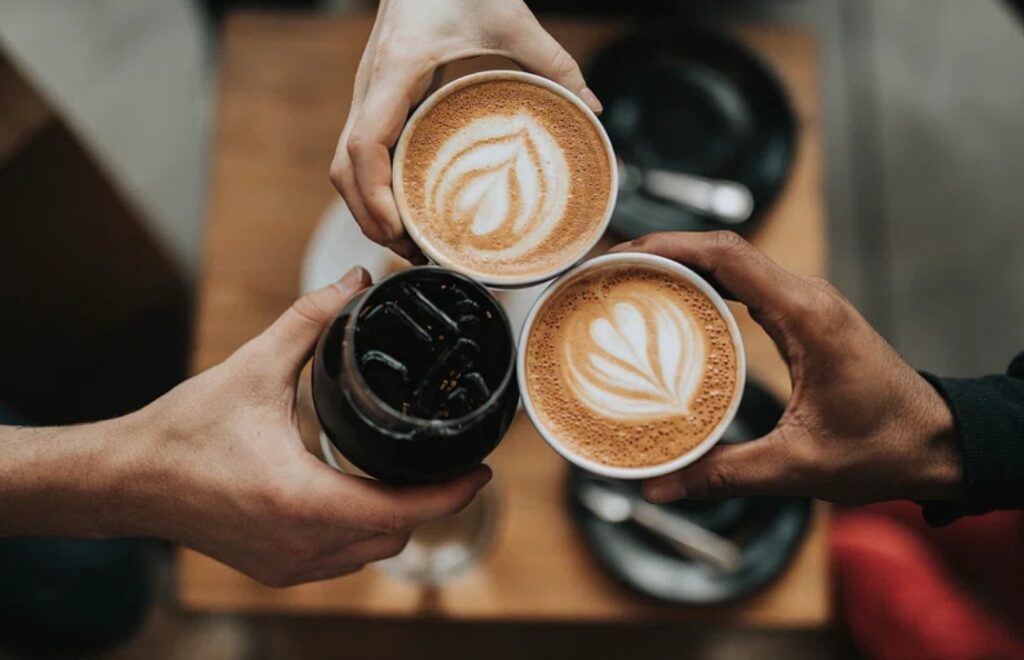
{"points": [[414, 381]]}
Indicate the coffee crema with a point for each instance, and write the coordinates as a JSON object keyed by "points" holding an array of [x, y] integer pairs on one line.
{"points": [[504, 178], [630, 366]]}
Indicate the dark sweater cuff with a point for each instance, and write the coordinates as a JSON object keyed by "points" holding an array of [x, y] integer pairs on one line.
{"points": [[989, 416]]}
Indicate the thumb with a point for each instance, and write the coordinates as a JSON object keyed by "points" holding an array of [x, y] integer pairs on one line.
{"points": [[751, 468], [291, 338], [538, 52]]}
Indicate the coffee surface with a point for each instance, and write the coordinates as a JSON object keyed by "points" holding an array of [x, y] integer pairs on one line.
{"points": [[630, 366], [505, 178]]}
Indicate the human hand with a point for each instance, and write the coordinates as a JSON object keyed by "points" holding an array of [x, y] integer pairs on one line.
{"points": [[861, 424], [219, 466], [411, 42]]}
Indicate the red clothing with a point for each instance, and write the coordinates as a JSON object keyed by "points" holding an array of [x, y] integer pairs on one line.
{"points": [[906, 590]]}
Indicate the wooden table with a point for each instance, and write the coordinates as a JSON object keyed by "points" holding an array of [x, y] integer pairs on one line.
{"points": [[284, 91]]}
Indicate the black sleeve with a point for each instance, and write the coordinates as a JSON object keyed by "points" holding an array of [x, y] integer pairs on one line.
{"points": [[989, 415]]}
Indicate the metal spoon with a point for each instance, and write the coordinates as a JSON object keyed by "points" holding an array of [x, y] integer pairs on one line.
{"points": [[728, 202], [688, 538]]}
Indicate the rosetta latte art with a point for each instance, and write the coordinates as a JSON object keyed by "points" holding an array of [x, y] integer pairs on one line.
{"points": [[501, 183], [644, 358]]}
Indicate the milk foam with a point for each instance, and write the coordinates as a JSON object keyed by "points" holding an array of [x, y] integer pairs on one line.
{"points": [[645, 358], [505, 178], [629, 365], [500, 174]]}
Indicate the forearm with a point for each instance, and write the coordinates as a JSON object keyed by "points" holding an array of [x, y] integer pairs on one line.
{"points": [[67, 481]]}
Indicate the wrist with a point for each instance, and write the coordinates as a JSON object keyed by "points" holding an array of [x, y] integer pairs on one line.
{"points": [[122, 473], [941, 467], [155, 491], [102, 475]]}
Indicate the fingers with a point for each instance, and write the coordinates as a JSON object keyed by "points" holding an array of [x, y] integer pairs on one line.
{"points": [[752, 468], [384, 92], [375, 130], [740, 270], [538, 52], [344, 179], [405, 248], [290, 340], [350, 559], [371, 169], [375, 548], [323, 571], [378, 507], [380, 221], [359, 521], [341, 173]]}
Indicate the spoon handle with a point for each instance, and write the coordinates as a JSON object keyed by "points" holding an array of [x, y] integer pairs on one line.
{"points": [[688, 538], [728, 202]]}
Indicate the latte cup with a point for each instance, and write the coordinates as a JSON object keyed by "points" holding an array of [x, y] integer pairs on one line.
{"points": [[505, 177], [658, 267]]}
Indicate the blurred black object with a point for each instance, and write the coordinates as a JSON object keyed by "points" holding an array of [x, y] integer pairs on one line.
{"points": [[1018, 7], [216, 9], [694, 102], [769, 530], [94, 314], [72, 598]]}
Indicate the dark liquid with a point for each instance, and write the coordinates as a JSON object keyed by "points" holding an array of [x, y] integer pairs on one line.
{"points": [[431, 347]]}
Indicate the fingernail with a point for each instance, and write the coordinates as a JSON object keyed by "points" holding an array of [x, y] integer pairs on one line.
{"points": [[664, 491], [590, 98], [354, 277]]}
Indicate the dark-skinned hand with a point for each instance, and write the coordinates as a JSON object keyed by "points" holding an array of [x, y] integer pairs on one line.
{"points": [[861, 424]]}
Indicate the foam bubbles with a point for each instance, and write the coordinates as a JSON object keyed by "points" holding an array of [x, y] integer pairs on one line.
{"points": [[507, 178], [630, 366]]}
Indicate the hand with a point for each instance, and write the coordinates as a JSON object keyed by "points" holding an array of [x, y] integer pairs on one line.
{"points": [[861, 424], [411, 42], [222, 467]]}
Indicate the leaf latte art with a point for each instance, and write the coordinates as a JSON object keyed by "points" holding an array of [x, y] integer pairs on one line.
{"points": [[645, 358], [504, 180], [501, 183]]}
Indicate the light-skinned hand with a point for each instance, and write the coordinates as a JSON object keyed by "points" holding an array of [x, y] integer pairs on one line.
{"points": [[218, 465], [411, 42]]}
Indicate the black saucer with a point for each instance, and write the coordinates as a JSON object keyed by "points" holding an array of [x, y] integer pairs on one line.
{"points": [[694, 102], [769, 530]]}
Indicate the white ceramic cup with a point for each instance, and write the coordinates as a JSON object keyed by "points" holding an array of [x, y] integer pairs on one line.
{"points": [[676, 270], [423, 242]]}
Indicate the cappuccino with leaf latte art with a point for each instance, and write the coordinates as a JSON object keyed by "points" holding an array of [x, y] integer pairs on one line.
{"points": [[505, 177], [629, 365]]}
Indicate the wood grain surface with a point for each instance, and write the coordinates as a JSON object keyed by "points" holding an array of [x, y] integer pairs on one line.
{"points": [[284, 92]]}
